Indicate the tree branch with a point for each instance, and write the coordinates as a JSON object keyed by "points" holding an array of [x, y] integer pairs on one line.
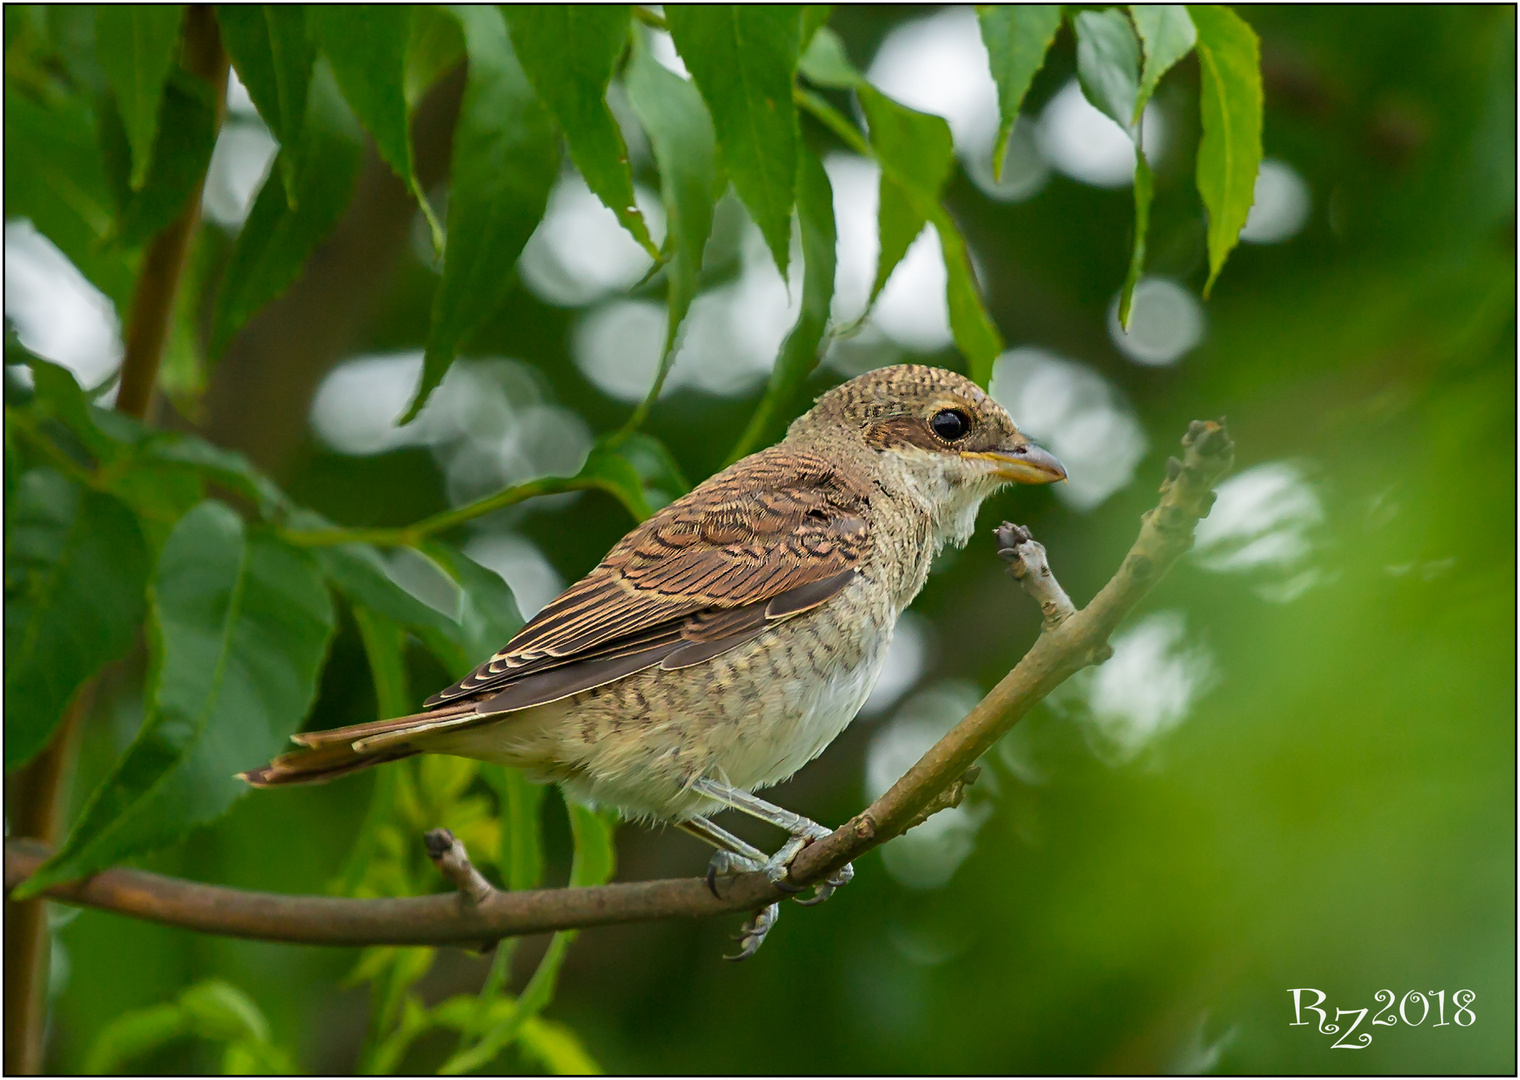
{"points": [[1071, 643]]}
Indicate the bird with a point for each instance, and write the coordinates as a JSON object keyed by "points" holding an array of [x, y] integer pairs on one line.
{"points": [[730, 637]]}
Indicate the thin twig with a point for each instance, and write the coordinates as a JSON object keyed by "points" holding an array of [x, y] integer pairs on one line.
{"points": [[1078, 640], [413, 534], [1026, 562], [453, 861]]}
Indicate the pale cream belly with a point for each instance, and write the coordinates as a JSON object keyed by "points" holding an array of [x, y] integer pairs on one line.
{"points": [[750, 717]]}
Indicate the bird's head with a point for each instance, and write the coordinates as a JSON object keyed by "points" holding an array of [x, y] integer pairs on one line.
{"points": [[936, 434]]}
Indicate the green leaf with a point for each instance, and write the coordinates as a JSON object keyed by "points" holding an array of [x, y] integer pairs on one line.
{"points": [[56, 179], [685, 148], [358, 572], [1168, 35], [1229, 154], [76, 568], [488, 615], [801, 350], [826, 63], [280, 233], [1145, 184], [142, 41], [506, 159], [436, 45], [568, 52], [385, 648], [240, 625], [273, 54], [814, 17], [520, 804], [133, 1034], [1108, 64], [556, 1048], [1017, 37], [595, 856], [976, 335], [743, 58], [225, 467], [916, 154], [367, 47], [181, 153], [660, 478], [58, 395]]}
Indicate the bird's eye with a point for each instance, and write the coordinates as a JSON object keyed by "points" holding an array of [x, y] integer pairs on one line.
{"points": [[950, 424]]}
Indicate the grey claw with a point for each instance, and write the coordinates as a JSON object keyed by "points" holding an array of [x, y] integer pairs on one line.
{"points": [[825, 889], [752, 933]]}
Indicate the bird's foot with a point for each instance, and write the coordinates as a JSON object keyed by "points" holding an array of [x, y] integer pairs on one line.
{"points": [[825, 889], [727, 864], [779, 865], [752, 934]]}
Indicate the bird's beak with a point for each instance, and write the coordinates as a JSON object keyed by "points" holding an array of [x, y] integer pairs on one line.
{"points": [[1026, 464]]}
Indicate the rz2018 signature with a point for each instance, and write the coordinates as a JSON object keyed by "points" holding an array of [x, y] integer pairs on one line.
{"points": [[1413, 1010]]}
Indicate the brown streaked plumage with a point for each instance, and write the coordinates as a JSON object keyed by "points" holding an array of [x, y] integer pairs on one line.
{"points": [[724, 642]]}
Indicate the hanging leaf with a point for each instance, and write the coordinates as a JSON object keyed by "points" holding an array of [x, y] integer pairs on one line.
{"points": [[280, 233], [272, 52], [916, 154], [435, 47], [366, 45], [1229, 154], [814, 16], [801, 350], [1108, 64], [976, 335], [1167, 33], [239, 629], [506, 159], [1017, 37], [568, 52], [76, 569], [681, 135], [181, 153], [143, 37], [826, 63], [743, 58]]}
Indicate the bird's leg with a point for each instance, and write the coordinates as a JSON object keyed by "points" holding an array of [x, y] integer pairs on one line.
{"points": [[735, 853], [803, 831]]}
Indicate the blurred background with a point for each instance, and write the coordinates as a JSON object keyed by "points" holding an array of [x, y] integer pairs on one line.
{"points": [[1298, 769]]}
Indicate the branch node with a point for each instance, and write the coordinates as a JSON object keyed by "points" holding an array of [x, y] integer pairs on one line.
{"points": [[864, 827], [948, 799], [1026, 562], [453, 862]]}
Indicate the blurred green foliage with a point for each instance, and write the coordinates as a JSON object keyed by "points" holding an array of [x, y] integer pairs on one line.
{"points": [[1332, 807]]}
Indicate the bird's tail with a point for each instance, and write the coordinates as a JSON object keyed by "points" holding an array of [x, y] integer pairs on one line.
{"points": [[326, 755]]}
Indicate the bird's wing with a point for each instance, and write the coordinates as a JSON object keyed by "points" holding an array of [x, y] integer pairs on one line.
{"points": [[773, 536]]}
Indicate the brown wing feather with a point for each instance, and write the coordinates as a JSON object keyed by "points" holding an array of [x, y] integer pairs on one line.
{"points": [[777, 534]]}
